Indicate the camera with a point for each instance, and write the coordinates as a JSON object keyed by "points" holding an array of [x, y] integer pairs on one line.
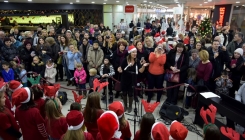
{"points": [[107, 37]]}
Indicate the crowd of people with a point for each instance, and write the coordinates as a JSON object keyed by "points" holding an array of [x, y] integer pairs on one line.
{"points": [[84, 55]]}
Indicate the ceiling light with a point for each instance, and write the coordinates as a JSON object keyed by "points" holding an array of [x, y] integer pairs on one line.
{"points": [[205, 2], [5, 1], [145, 1], [29, 0], [176, 2], [209, 0], [243, 5], [150, 2], [104, 3], [157, 4], [71, 3], [200, 4], [238, 2], [77, 1], [117, 1], [237, 6], [92, 2]]}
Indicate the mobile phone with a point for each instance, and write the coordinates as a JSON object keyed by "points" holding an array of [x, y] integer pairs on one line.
{"points": [[142, 59]]}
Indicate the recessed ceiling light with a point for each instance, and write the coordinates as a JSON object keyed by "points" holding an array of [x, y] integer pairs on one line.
{"points": [[145, 1], [238, 2], [92, 2], [77, 1], [104, 3], [29, 0], [150, 2], [209, 0], [176, 2], [200, 4], [5, 1], [117, 1], [71, 3]]}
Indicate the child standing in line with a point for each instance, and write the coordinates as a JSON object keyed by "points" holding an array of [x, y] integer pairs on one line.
{"points": [[7, 72], [107, 71], [93, 75], [80, 78], [50, 71], [37, 66], [191, 81], [23, 75], [223, 83]]}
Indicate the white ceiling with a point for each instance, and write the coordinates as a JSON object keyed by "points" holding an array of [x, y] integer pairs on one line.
{"points": [[167, 3]]}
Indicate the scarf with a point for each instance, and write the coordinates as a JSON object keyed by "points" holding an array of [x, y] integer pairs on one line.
{"points": [[121, 55]]}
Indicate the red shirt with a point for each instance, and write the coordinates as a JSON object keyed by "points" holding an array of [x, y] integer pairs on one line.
{"points": [[7, 120], [31, 123], [98, 137], [137, 135], [57, 127], [87, 136], [92, 126], [204, 70], [126, 133], [40, 104]]}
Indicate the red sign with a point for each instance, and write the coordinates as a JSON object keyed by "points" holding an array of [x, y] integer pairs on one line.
{"points": [[221, 15], [129, 9]]}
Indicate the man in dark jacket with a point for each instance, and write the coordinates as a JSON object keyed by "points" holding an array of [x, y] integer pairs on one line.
{"points": [[236, 43], [170, 31], [218, 56]]}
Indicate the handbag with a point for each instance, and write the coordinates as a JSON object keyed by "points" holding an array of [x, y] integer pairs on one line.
{"points": [[173, 77]]}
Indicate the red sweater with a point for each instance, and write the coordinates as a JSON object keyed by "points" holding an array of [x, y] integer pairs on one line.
{"points": [[100, 138], [126, 133], [87, 136], [56, 128], [7, 120], [137, 135], [204, 70], [8, 103], [40, 105], [31, 124], [92, 126], [156, 66]]}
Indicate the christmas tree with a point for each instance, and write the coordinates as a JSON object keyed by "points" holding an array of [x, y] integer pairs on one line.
{"points": [[205, 27]]}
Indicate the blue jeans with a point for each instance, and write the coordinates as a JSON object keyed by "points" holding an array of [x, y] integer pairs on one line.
{"points": [[157, 82], [82, 86]]}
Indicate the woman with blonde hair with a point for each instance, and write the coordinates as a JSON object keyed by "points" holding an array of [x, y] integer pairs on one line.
{"points": [[149, 44], [92, 112], [109, 45], [55, 119]]}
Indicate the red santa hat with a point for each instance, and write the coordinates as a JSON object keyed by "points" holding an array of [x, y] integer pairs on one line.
{"points": [[157, 35], [51, 91], [108, 125], [149, 108], [163, 33], [159, 132], [117, 107], [14, 85], [74, 120], [147, 30], [22, 95], [131, 49], [178, 131], [2, 85]]}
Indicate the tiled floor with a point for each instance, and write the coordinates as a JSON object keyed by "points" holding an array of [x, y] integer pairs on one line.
{"points": [[189, 118]]}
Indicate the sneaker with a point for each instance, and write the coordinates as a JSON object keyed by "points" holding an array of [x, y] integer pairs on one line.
{"points": [[111, 99], [103, 97]]}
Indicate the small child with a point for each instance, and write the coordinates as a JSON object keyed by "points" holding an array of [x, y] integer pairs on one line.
{"points": [[107, 71], [80, 78], [14, 66], [23, 75], [50, 71], [76, 106], [93, 75], [191, 81], [7, 73], [223, 83], [37, 66]]}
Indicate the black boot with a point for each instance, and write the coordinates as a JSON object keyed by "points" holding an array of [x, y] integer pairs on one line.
{"points": [[111, 99], [125, 102], [130, 104]]}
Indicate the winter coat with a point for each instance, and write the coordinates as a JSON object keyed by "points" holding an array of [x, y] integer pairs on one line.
{"points": [[55, 49], [50, 73], [73, 58], [240, 96], [45, 56], [38, 68], [223, 86], [80, 75], [9, 53], [95, 57], [232, 46], [110, 71], [84, 50], [25, 56]]}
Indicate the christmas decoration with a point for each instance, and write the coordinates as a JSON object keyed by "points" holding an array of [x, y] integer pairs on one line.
{"points": [[205, 27]]}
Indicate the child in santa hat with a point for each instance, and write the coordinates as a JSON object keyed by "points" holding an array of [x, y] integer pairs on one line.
{"points": [[178, 131], [14, 85], [55, 119], [9, 129], [29, 117], [109, 126], [7, 101], [159, 132], [75, 122], [118, 108]]}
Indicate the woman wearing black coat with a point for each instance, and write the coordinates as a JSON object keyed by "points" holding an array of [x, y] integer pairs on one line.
{"points": [[26, 55], [132, 34], [43, 50], [177, 62]]}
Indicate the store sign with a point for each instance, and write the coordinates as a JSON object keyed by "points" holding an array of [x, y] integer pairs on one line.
{"points": [[129, 9], [221, 15]]}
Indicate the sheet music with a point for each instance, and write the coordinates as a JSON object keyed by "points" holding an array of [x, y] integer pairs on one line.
{"points": [[209, 95]]}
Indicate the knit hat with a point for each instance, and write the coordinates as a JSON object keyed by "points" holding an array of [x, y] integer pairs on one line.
{"points": [[108, 125], [2, 85], [159, 132], [178, 131], [14, 85], [117, 107], [239, 50], [22, 95], [74, 120], [131, 49], [51, 91], [149, 108]]}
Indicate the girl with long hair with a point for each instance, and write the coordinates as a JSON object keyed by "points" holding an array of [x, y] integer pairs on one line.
{"points": [[109, 45], [43, 50], [191, 80], [62, 56], [92, 112], [9, 129], [55, 121]]}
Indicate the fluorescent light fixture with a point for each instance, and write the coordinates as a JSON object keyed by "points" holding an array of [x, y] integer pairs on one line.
{"points": [[71, 3], [92, 2], [29, 0], [145, 1], [117, 1], [238, 2], [5, 1], [104, 3]]}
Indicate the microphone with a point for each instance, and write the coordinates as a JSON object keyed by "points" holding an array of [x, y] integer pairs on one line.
{"points": [[136, 69], [127, 66]]}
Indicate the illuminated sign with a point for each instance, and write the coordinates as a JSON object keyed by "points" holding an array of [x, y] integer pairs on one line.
{"points": [[221, 15], [129, 9]]}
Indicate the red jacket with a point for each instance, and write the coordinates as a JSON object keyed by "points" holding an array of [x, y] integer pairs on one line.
{"points": [[31, 123], [56, 128], [40, 105], [7, 120], [126, 133], [8, 103], [98, 137], [87, 136]]}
